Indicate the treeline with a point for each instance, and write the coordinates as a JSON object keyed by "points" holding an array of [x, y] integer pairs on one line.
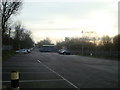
{"points": [[14, 36], [19, 38], [46, 41], [106, 47]]}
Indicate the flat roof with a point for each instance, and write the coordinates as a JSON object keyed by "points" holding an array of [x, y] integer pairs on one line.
{"points": [[48, 45]]}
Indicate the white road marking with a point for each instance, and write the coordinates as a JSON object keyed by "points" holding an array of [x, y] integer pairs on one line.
{"points": [[28, 72], [34, 80], [58, 75]]}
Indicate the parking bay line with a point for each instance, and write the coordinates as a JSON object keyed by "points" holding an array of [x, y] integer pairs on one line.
{"points": [[27, 72], [35, 80], [58, 75]]}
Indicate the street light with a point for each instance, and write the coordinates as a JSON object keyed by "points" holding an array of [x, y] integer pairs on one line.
{"points": [[82, 42], [9, 37]]}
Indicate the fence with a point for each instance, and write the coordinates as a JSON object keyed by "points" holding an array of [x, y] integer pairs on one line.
{"points": [[7, 47], [98, 53]]}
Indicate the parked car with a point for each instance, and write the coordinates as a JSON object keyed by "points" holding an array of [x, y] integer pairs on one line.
{"points": [[64, 52], [22, 51], [31, 49], [28, 50]]}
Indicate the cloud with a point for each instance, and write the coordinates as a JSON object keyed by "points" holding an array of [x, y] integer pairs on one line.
{"points": [[71, 0], [69, 19]]}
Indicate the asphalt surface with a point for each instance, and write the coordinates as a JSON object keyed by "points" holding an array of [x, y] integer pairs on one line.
{"points": [[52, 70]]}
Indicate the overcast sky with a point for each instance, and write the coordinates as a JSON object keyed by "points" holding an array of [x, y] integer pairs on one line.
{"points": [[57, 19]]}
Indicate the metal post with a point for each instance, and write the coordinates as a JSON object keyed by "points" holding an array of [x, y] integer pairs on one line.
{"points": [[82, 42], [15, 80], [9, 38]]}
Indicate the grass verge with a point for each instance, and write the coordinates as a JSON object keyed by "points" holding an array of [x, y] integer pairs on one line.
{"points": [[7, 54]]}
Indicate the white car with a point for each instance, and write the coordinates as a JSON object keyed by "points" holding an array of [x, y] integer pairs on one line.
{"points": [[22, 51], [64, 52]]}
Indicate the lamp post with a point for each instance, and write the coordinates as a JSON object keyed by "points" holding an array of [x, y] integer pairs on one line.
{"points": [[9, 37], [82, 42]]}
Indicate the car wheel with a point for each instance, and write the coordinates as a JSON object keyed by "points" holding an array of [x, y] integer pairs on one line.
{"points": [[64, 53]]}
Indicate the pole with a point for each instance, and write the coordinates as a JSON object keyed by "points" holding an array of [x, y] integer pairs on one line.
{"points": [[9, 38], [82, 42], [15, 80]]}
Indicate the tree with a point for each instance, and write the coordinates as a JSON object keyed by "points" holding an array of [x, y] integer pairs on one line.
{"points": [[26, 41], [8, 8], [22, 37], [106, 40], [46, 41], [90, 36], [106, 43], [116, 41], [18, 34]]}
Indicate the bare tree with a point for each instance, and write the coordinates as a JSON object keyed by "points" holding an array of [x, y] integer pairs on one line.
{"points": [[90, 36], [116, 41], [22, 37], [44, 42], [19, 30], [7, 9], [106, 39]]}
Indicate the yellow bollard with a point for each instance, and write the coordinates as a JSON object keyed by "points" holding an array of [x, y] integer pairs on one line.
{"points": [[15, 80]]}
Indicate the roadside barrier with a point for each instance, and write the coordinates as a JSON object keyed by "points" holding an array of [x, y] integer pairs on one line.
{"points": [[15, 80]]}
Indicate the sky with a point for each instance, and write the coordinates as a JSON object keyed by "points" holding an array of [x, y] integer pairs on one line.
{"points": [[57, 19]]}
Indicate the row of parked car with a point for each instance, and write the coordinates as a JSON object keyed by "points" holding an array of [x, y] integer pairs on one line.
{"points": [[52, 48], [25, 51]]}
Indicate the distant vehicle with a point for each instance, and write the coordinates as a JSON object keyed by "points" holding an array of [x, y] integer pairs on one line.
{"points": [[64, 52], [22, 51], [48, 48]]}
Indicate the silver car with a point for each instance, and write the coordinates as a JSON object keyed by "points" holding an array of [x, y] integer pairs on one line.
{"points": [[22, 51]]}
